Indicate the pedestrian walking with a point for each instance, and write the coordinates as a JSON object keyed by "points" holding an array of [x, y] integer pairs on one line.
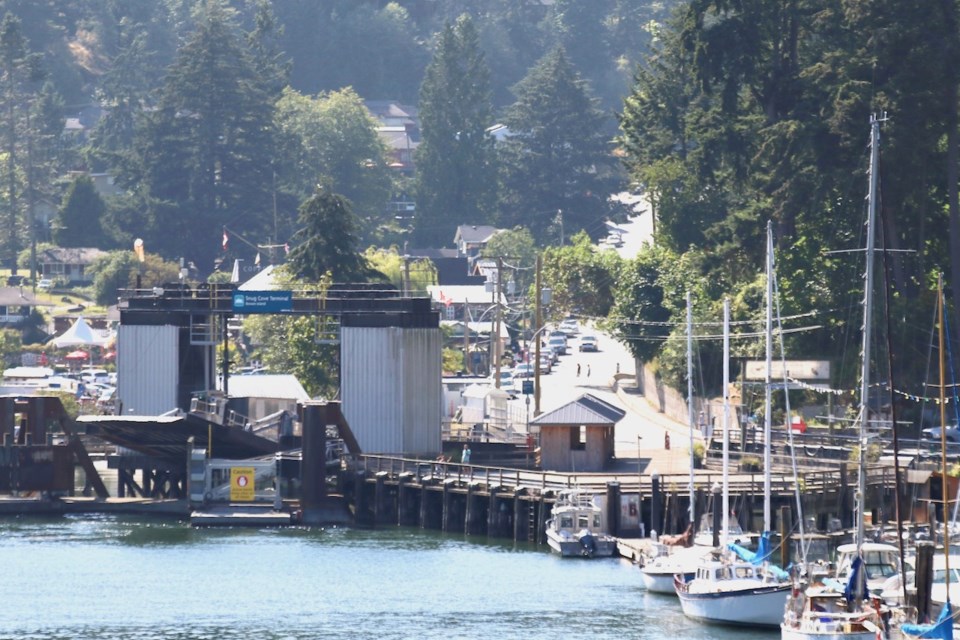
{"points": [[588, 371], [578, 369]]}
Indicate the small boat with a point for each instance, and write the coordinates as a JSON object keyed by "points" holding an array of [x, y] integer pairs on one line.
{"points": [[662, 565], [823, 613], [576, 528], [733, 592]]}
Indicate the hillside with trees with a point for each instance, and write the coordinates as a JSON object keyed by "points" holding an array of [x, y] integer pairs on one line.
{"points": [[247, 118]]}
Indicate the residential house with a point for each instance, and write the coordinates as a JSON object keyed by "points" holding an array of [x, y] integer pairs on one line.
{"points": [[16, 304], [68, 264], [471, 239]]}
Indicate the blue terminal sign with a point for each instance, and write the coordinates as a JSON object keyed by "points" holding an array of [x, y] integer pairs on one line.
{"points": [[262, 301]]}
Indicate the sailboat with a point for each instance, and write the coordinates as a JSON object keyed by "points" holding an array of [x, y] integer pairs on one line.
{"points": [[658, 571], [943, 627], [837, 609], [733, 590]]}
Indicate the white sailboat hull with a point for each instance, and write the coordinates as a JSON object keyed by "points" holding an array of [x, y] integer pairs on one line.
{"points": [[753, 606]]}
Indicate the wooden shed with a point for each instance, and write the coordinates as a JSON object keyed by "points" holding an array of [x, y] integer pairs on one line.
{"points": [[578, 436]]}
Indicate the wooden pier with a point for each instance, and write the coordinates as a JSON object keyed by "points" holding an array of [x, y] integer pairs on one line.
{"points": [[515, 503]]}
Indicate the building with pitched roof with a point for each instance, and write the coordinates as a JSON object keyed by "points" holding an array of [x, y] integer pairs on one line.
{"points": [[578, 436]]}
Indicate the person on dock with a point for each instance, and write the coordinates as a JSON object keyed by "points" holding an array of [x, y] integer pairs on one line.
{"points": [[465, 456]]}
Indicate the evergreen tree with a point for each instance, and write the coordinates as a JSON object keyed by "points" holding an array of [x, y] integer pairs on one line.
{"points": [[556, 164], [207, 150], [326, 244], [455, 160], [78, 222], [332, 139]]}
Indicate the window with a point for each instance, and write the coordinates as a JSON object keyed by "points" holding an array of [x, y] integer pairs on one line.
{"points": [[578, 439]]}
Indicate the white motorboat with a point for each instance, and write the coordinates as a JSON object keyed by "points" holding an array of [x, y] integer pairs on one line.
{"points": [[881, 564], [733, 592], [659, 569], [576, 527]]}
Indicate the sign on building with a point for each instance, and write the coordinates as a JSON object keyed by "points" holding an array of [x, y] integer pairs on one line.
{"points": [[796, 369], [262, 301]]}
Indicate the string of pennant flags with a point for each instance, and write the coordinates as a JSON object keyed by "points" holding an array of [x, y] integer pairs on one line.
{"points": [[850, 392]]}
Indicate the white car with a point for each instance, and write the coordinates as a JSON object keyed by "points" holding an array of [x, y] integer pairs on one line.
{"points": [[507, 381], [558, 344], [45, 284], [523, 370]]}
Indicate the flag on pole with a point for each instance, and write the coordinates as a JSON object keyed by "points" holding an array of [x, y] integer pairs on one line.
{"points": [[225, 239], [286, 248]]}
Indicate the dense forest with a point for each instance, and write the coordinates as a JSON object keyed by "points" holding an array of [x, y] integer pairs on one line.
{"points": [[247, 115]]}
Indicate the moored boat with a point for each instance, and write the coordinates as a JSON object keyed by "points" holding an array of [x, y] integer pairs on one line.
{"points": [[735, 593], [576, 528]]}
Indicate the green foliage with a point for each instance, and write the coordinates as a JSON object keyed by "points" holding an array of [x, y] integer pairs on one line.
{"points": [[10, 346], [390, 263], [332, 140], [581, 279], [207, 148], [326, 244], [517, 248], [455, 171], [77, 224], [452, 360], [119, 270], [557, 172], [289, 344]]}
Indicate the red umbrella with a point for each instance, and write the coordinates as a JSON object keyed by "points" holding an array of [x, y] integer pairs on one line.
{"points": [[79, 354], [110, 355]]}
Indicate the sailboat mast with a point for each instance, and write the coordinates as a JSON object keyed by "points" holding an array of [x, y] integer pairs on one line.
{"points": [[690, 408], [726, 423], [867, 315], [767, 516], [943, 434]]}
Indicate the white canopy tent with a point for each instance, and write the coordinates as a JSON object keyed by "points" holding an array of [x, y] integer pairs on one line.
{"points": [[81, 334]]}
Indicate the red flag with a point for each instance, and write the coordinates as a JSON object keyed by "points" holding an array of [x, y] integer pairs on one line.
{"points": [[225, 239]]}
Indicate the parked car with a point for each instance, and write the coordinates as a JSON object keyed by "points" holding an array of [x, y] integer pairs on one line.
{"points": [[558, 345], [588, 343], [523, 370], [952, 435], [45, 284], [570, 327], [507, 381], [546, 364]]}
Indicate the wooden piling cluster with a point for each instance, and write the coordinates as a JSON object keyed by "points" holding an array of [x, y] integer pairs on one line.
{"points": [[448, 504]]}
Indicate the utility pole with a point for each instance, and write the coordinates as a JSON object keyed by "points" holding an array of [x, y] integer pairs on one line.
{"points": [[499, 292], [466, 335], [536, 336]]}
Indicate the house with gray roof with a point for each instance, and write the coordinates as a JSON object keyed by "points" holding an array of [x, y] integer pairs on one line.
{"points": [[68, 264], [577, 436], [470, 239]]}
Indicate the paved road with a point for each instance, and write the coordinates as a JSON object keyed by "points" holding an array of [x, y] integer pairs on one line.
{"points": [[642, 420]]}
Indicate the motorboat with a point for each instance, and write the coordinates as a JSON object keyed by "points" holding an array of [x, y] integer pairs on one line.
{"points": [[733, 592], [576, 527], [664, 562], [881, 567]]}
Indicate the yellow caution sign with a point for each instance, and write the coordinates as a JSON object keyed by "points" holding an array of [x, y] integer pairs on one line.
{"points": [[241, 484]]}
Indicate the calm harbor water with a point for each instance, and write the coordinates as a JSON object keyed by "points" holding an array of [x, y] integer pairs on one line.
{"points": [[117, 577]]}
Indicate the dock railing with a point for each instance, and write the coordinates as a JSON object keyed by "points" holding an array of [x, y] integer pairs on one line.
{"points": [[426, 471]]}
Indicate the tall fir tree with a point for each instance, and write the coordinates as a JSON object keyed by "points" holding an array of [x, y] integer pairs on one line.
{"points": [[327, 241], [78, 223], [206, 152], [455, 160], [557, 169]]}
